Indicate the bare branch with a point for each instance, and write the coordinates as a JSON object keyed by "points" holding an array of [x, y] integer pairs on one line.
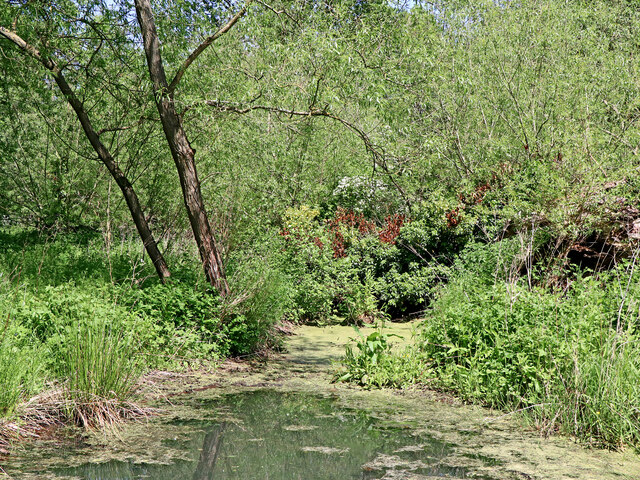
{"points": [[201, 48], [277, 12], [120, 129]]}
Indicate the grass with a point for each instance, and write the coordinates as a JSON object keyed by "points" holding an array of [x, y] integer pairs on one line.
{"points": [[20, 374], [68, 352], [101, 367], [597, 397], [86, 321]]}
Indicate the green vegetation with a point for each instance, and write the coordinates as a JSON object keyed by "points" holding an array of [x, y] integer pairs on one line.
{"points": [[372, 363], [72, 324], [470, 163], [568, 358]]}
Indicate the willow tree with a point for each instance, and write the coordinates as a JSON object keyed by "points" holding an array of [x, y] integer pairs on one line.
{"points": [[83, 30], [34, 30], [181, 151]]}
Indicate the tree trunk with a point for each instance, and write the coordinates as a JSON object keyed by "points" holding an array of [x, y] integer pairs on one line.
{"points": [[103, 153], [123, 182], [182, 153]]}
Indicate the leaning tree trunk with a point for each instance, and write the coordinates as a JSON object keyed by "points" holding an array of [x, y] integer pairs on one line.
{"points": [[182, 153], [103, 153], [123, 182]]}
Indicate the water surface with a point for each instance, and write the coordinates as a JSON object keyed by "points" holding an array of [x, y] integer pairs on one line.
{"points": [[266, 434]]}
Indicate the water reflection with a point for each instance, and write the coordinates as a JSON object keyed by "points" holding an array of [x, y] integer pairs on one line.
{"points": [[209, 453], [286, 436]]}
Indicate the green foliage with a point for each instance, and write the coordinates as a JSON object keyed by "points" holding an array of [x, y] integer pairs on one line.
{"points": [[55, 258], [459, 145], [567, 358], [176, 321], [263, 295], [67, 322], [370, 362], [64, 280], [596, 394], [99, 361], [498, 346], [21, 371], [349, 268]]}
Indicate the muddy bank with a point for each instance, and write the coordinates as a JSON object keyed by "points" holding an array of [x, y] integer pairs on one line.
{"points": [[482, 443]]}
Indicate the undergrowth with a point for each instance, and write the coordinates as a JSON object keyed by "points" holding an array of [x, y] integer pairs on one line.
{"points": [[88, 324], [566, 358], [372, 362]]}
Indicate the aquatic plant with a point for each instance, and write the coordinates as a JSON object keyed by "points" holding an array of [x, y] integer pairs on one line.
{"points": [[370, 362]]}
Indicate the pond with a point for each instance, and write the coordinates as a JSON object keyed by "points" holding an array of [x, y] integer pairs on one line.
{"points": [[268, 434], [284, 419]]}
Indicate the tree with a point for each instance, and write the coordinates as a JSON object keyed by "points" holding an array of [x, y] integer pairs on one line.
{"points": [[93, 136], [181, 151], [98, 20]]}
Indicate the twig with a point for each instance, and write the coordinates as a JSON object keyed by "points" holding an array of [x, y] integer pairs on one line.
{"points": [[201, 48]]}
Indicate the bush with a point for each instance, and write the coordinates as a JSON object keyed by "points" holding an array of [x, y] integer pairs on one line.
{"points": [[569, 359], [370, 362], [349, 268], [496, 345], [262, 296], [176, 321]]}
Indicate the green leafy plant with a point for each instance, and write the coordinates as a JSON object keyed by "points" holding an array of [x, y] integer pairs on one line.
{"points": [[21, 372], [370, 362], [568, 359]]}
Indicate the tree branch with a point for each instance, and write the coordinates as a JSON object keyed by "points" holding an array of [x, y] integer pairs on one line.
{"points": [[277, 12], [123, 128], [201, 48], [29, 49], [375, 151]]}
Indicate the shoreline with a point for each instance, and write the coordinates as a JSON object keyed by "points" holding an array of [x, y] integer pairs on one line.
{"points": [[488, 442]]}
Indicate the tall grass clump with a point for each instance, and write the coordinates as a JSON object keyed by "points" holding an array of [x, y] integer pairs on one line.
{"points": [[100, 365], [597, 396], [21, 367], [262, 294]]}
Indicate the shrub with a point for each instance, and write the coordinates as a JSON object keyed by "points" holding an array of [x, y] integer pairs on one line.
{"points": [[496, 345], [349, 268], [176, 321], [569, 358], [370, 362], [263, 294]]}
